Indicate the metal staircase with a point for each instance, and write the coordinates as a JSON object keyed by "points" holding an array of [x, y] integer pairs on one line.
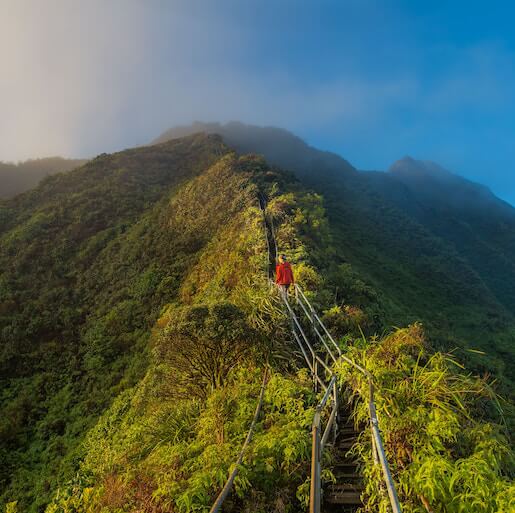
{"points": [[319, 357], [320, 351], [332, 424]]}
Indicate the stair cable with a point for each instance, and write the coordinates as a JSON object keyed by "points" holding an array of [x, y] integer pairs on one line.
{"points": [[226, 490]]}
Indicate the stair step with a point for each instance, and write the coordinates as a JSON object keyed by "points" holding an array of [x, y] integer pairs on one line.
{"points": [[343, 497], [346, 436], [345, 444], [348, 477], [348, 465], [345, 486], [347, 432]]}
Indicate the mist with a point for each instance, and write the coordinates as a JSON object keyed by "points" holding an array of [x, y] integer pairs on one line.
{"points": [[358, 78]]}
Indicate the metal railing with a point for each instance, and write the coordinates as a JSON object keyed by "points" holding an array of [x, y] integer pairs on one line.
{"points": [[333, 351], [324, 376], [232, 476]]}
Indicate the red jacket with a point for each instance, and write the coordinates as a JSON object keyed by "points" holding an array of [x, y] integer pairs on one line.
{"points": [[284, 274]]}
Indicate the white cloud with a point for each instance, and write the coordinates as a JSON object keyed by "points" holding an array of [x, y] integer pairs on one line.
{"points": [[80, 77], [67, 69]]}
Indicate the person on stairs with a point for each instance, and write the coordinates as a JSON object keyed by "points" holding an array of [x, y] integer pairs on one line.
{"points": [[284, 274]]}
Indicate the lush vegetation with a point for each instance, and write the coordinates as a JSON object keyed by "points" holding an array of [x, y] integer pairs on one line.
{"points": [[136, 322], [157, 259], [445, 450], [87, 263]]}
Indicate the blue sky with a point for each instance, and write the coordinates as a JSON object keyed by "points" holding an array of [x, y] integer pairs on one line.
{"points": [[371, 80]]}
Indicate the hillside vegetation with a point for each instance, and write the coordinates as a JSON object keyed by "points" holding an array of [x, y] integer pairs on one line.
{"points": [[87, 263], [20, 177], [137, 321], [102, 269]]}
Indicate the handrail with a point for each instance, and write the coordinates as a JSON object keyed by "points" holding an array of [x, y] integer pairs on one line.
{"points": [[318, 442], [228, 484], [315, 315], [379, 454], [329, 352]]}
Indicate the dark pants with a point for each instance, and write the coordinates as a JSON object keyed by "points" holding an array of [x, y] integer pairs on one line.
{"points": [[285, 288]]}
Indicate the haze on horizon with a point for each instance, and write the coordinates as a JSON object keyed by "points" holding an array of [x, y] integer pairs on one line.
{"points": [[370, 80]]}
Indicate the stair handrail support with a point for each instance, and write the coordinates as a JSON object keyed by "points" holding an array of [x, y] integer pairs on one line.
{"points": [[378, 450]]}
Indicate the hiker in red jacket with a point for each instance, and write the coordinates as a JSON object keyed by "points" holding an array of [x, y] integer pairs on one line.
{"points": [[284, 274]]}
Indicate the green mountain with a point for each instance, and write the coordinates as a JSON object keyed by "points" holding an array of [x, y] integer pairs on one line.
{"points": [[436, 247], [468, 216], [20, 177], [136, 321]]}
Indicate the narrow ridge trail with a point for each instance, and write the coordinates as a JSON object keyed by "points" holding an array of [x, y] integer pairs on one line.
{"points": [[344, 495]]}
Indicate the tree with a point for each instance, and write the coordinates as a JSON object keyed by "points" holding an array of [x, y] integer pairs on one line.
{"points": [[200, 345]]}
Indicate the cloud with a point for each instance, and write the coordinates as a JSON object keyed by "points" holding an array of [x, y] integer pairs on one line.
{"points": [[79, 77], [82, 77], [67, 69]]}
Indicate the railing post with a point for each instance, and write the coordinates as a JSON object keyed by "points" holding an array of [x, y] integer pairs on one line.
{"points": [[315, 374], [314, 492], [335, 425]]}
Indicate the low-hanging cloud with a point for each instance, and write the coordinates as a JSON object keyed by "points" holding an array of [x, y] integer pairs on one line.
{"points": [[79, 77], [83, 77]]}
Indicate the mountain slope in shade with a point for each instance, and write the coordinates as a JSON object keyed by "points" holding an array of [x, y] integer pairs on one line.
{"points": [[436, 186], [280, 148], [17, 178], [466, 215]]}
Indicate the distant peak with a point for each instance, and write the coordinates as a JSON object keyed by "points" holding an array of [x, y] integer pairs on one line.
{"points": [[409, 165], [279, 146], [438, 184]]}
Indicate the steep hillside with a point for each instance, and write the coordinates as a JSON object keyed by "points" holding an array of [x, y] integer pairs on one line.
{"points": [[17, 178], [87, 261], [438, 251], [137, 321]]}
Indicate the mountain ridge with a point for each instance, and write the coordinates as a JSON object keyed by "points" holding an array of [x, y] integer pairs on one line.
{"points": [[117, 278], [393, 230], [16, 178]]}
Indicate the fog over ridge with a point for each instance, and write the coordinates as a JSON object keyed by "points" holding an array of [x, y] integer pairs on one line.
{"points": [[361, 79]]}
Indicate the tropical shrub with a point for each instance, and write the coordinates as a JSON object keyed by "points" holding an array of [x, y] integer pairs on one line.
{"points": [[201, 345], [445, 452]]}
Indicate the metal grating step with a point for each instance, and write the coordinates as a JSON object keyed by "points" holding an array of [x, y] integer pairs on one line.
{"points": [[343, 493]]}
